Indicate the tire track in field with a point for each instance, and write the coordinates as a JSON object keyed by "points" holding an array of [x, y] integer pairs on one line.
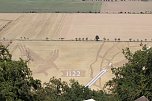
{"points": [[51, 24], [9, 25], [28, 31], [117, 64], [38, 26], [59, 25], [105, 54], [52, 20], [56, 23], [25, 23], [4, 26], [44, 27], [47, 28], [5, 20], [104, 57], [98, 52]]}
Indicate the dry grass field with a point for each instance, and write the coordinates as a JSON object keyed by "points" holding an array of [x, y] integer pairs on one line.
{"points": [[81, 60], [70, 26]]}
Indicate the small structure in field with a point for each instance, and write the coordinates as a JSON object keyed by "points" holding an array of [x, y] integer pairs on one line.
{"points": [[143, 98], [89, 100]]}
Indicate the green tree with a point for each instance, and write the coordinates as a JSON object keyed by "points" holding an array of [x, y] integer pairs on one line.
{"points": [[97, 38], [57, 90], [16, 81], [133, 79], [77, 92]]}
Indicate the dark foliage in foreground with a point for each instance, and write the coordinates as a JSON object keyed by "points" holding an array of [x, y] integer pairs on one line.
{"points": [[134, 79]]}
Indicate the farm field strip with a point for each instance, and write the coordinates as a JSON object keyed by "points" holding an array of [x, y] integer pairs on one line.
{"points": [[70, 26], [22, 6], [128, 7]]}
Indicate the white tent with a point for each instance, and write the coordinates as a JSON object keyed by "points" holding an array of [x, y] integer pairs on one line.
{"points": [[89, 100], [143, 98]]}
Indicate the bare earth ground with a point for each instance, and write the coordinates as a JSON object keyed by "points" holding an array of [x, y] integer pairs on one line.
{"points": [[81, 60], [127, 7]]}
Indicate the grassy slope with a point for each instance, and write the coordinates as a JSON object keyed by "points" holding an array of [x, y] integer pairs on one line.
{"points": [[48, 6]]}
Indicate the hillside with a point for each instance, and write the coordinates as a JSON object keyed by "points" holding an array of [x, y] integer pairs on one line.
{"points": [[37, 37]]}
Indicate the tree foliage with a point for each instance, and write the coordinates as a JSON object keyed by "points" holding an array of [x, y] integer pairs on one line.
{"points": [[57, 90], [97, 38], [16, 81], [133, 79]]}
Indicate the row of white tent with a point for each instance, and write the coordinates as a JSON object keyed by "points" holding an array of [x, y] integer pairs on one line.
{"points": [[142, 98], [89, 100]]}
